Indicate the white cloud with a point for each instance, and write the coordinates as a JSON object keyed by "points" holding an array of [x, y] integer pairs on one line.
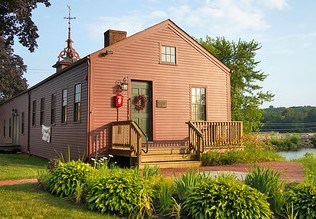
{"points": [[220, 17], [276, 4], [131, 24]]}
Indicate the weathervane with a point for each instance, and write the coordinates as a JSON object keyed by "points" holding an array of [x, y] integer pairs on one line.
{"points": [[69, 18], [69, 54]]}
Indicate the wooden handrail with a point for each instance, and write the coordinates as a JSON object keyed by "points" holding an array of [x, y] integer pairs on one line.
{"points": [[141, 132], [127, 134], [196, 139]]}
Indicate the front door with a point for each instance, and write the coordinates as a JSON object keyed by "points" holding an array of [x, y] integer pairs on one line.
{"points": [[141, 106]]}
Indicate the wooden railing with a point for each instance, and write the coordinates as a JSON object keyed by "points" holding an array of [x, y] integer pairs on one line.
{"points": [[216, 134], [127, 135], [196, 141]]}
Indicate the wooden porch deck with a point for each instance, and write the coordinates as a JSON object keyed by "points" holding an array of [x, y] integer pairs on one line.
{"points": [[8, 147], [203, 137]]}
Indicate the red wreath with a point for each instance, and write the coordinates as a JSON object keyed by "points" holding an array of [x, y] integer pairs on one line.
{"points": [[140, 102]]}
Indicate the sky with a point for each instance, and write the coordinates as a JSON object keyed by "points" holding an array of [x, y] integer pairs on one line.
{"points": [[286, 30]]}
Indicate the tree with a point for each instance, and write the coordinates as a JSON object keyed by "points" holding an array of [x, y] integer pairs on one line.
{"points": [[247, 95], [11, 73], [15, 21]]}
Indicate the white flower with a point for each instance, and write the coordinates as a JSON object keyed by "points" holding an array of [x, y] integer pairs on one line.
{"points": [[110, 155]]}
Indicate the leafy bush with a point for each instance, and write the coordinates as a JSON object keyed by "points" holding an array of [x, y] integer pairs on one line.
{"points": [[302, 198], [268, 182], [149, 172], [187, 181], [313, 140], [226, 199], [163, 193], [255, 151], [292, 142], [309, 165], [66, 178], [232, 157], [121, 192]]}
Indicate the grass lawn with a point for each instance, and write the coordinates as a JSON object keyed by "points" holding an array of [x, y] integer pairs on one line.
{"points": [[26, 201], [20, 166]]}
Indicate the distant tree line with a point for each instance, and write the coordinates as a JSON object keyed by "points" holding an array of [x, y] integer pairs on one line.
{"points": [[292, 119]]}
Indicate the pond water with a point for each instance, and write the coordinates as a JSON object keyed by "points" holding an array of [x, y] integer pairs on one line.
{"points": [[289, 155]]}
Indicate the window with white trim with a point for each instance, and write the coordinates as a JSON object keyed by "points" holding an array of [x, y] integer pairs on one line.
{"points": [[64, 106], [198, 104], [168, 54]]}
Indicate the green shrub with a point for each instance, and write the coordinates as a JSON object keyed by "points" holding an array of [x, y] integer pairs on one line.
{"points": [[121, 192], [268, 182], [163, 193], [66, 178], [226, 199], [248, 155], [292, 142], [149, 172], [302, 198], [313, 140], [187, 181], [309, 165]]}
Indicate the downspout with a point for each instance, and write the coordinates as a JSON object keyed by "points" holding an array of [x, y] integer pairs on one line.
{"points": [[29, 123], [88, 149]]}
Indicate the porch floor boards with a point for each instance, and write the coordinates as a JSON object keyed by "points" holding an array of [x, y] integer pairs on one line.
{"points": [[8, 147]]}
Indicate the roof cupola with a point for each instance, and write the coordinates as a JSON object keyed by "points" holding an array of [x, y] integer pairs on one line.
{"points": [[68, 55]]}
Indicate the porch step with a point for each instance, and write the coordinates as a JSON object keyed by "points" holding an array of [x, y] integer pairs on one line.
{"points": [[164, 157], [172, 164], [168, 154], [166, 151]]}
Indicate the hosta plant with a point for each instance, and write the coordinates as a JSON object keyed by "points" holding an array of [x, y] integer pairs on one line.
{"points": [[226, 199], [268, 182], [302, 198], [68, 177], [122, 192]]}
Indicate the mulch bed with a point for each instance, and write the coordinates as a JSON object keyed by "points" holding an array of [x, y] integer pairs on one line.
{"points": [[290, 171]]}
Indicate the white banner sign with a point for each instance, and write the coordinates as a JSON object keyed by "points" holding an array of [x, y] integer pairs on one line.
{"points": [[46, 130]]}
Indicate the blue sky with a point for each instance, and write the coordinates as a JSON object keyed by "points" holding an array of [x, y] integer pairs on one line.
{"points": [[286, 30]]}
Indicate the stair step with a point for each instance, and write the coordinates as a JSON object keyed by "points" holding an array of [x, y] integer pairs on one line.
{"points": [[167, 151], [172, 164], [171, 157]]}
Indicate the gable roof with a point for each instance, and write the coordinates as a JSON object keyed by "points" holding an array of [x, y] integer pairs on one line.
{"points": [[176, 29]]}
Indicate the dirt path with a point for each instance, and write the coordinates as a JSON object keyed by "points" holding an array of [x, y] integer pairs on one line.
{"points": [[16, 181], [290, 171]]}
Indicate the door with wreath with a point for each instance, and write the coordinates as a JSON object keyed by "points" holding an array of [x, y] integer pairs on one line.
{"points": [[141, 106]]}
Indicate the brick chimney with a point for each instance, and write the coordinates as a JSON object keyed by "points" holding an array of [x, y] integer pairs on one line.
{"points": [[113, 36]]}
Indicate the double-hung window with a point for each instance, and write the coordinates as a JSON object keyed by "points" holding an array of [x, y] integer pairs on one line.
{"points": [[64, 106], [77, 102], [42, 113], [53, 109], [198, 103], [168, 54], [34, 113], [22, 122]]}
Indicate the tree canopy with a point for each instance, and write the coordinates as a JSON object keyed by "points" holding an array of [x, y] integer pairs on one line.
{"points": [[247, 95], [15, 22], [292, 119]]}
